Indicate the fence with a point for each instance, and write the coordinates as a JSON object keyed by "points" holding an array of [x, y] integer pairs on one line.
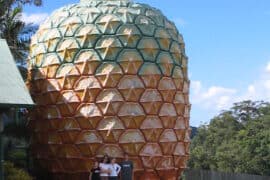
{"points": [[192, 174]]}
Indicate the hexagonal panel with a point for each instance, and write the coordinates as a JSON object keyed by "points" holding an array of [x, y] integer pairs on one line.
{"points": [[88, 142], [87, 35], [166, 64], [108, 47], [151, 101], [68, 151], [51, 39], [146, 25], [131, 87], [67, 49], [163, 38], [127, 14], [179, 103], [110, 128], [87, 61], [178, 78], [130, 61], [167, 88], [67, 75], [150, 74], [132, 141], [152, 128], [87, 88], [156, 16], [108, 23], [151, 154], [38, 52], [179, 149], [113, 150], [51, 62], [149, 48], [67, 103], [166, 163], [131, 114], [109, 101], [129, 35], [168, 115], [109, 74], [88, 116], [168, 141], [176, 52], [88, 14], [69, 26]]}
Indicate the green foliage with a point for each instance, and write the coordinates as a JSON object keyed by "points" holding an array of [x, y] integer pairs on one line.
{"points": [[13, 29], [18, 157], [13, 173], [237, 140]]}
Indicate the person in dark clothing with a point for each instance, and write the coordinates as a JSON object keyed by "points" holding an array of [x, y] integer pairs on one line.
{"points": [[126, 168], [95, 172]]}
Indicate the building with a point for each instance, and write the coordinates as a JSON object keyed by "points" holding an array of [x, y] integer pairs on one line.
{"points": [[13, 92]]}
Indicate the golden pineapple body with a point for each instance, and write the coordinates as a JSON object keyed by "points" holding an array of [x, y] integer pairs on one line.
{"points": [[109, 77]]}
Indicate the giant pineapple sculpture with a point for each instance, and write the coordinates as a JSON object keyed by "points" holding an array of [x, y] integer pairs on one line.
{"points": [[109, 77]]}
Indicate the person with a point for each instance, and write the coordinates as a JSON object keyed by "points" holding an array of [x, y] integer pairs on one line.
{"points": [[105, 168], [127, 168], [115, 169], [95, 171]]}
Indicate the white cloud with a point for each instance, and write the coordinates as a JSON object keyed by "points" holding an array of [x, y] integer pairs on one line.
{"points": [[268, 67], [216, 98], [180, 21], [36, 19]]}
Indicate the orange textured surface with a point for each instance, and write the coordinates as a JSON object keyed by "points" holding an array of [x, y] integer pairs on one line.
{"points": [[99, 93]]}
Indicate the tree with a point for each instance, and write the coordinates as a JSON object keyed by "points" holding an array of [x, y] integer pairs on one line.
{"points": [[237, 140], [13, 29]]}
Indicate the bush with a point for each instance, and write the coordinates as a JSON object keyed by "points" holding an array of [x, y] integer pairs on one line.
{"points": [[18, 157], [13, 173]]}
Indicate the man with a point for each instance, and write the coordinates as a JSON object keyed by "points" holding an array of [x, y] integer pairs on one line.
{"points": [[126, 168]]}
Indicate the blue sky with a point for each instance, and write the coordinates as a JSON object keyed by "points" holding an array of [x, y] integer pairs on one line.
{"points": [[228, 45]]}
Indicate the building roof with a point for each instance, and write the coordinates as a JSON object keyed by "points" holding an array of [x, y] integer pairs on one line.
{"points": [[13, 92]]}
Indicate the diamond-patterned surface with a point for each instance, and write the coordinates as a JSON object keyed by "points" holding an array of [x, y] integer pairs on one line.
{"points": [[151, 101], [109, 77], [132, 114], [87, 35], [109, 74], [67, 49], [131, 87], [109, 101], [130, 61], [108, 23], [108, 47], [70, 25], [129, 35], [150, 74], [149, 48]]}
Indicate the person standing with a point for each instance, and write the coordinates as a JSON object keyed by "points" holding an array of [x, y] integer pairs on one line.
{"points": [[115, 169], [105, 168], [95, 172], [127, 168]]}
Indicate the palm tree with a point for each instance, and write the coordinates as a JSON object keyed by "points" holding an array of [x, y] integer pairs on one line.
{"points": [[13, 29]]}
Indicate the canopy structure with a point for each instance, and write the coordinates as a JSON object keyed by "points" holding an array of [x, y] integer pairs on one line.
{"points": [[13, 92]]}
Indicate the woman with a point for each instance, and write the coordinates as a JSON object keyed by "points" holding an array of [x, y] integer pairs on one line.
{"points": [[95, 172], [115, 169], [105, 168]]}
